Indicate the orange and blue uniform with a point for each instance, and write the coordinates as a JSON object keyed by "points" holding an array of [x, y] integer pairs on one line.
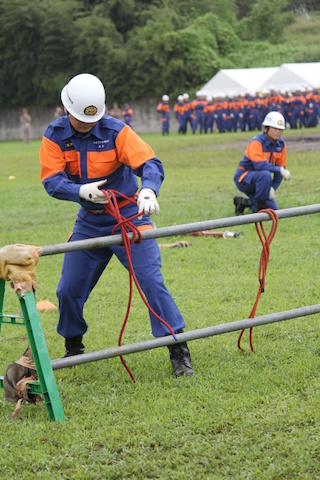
{"points": [[259, 169], [187, 115], [253, 113], [112, 151], [298, 101], [219, 115], [235, 108], [311, 110], [197, 114], [287, 108], [208, 117], [164, 109], [179, 113]]}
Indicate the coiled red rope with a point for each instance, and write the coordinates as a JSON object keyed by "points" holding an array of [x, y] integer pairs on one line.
{"points": [[126, 226], [264, 258]]}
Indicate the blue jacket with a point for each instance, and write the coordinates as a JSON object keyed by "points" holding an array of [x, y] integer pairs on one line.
{"points": [[111, 150]]}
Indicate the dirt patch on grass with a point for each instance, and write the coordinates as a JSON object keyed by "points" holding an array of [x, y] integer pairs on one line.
{"points": [[304, 142]]}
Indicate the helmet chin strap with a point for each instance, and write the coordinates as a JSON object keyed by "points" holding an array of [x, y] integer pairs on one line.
{"points": [[266, 130]]}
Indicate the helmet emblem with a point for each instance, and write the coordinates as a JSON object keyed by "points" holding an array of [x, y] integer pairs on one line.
{"points": [[91, 110]]}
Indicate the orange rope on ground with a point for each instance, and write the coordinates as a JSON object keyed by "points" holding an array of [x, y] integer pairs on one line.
{"points": [[264, 258]]}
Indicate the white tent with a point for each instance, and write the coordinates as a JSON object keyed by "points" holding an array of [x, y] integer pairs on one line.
{"points": [[238, 81], [294, 76]]}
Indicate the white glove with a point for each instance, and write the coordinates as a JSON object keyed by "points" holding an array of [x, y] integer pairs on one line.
{"points": [[285, 173], [272, 193], [147, 202], [91, 192]]}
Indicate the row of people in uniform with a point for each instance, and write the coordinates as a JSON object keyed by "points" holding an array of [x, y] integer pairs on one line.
{"points": [[206, 114]]}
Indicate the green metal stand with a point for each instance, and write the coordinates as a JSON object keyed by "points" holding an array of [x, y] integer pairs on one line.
{"points": [[46, 386]]}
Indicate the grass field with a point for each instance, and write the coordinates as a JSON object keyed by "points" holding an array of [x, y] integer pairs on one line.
{"points": [[242, 415]]}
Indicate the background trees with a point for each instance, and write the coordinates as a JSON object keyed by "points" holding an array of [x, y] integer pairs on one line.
{"points": [[139, 48]]}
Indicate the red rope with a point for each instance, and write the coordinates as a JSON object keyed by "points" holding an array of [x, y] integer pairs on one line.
{"points": [[126, 226], [264, 258]]}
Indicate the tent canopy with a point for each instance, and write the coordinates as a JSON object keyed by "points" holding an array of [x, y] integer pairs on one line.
{"points": [[293, 76], [238, 81], [290, 76]]}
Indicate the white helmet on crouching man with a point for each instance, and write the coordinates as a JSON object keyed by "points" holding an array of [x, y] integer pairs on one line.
{"points": [[275, 120]]}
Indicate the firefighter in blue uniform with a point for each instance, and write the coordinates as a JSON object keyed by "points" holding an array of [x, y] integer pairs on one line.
{"points": [[80, 153], [179, 113], [187, 112], [164, 109], [262, 167], [299, 102], [311, 109], [198, 105], [208, 115]]}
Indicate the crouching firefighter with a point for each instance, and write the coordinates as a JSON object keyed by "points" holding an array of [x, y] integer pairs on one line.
{"points": [[263, 167]]}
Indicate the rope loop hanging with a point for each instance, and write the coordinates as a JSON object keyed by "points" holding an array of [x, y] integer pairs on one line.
{"points": [[126, 226], [263, 264]]}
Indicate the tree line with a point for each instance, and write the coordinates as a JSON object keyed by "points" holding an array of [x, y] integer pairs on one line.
{"points": [[138, 48]]}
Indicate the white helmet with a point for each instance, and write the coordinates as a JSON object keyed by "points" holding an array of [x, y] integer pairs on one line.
{"points": [[275, 120], [186, 96], [84, 97], [180, 98], [165, 98]]}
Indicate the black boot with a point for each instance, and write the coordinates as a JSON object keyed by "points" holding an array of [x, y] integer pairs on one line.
{"points": [[261, 205], [240, 204], [181, 359], [74, 346]]}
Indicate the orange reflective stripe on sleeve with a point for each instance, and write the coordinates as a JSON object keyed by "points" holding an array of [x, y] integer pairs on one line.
{"points": [[255, 153], [53, 160], [131, 149]]}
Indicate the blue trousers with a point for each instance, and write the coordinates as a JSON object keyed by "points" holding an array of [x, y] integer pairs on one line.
{"points": [[82, 269], [198, 120], [256, 185], [188, 119], [165, 121]]}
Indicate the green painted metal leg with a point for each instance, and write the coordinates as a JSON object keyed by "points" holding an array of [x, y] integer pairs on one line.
{"points": [[41, 358]]}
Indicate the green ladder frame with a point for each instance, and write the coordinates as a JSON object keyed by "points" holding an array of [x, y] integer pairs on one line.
{"points": [[46, 386]]}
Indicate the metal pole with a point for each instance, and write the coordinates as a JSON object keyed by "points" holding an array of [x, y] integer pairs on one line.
{"points": [[100, 242], [183, 337]]}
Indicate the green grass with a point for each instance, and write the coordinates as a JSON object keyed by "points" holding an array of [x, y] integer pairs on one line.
{"points": [[241, 416]]}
